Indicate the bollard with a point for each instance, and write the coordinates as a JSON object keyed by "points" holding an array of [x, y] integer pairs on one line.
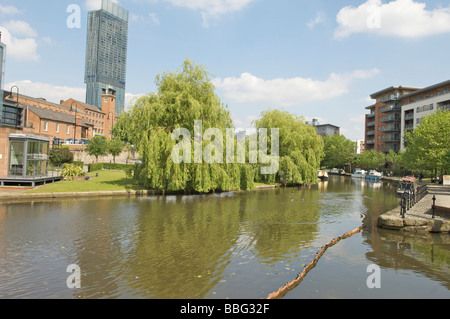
{"points": [[433, 207], [403, 205]]}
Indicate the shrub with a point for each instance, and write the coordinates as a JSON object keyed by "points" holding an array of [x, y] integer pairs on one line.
{"points": [[95, 167], [60, 156], [79, 164], [71, 170]]}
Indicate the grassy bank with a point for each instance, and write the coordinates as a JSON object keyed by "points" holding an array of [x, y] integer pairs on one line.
{"points": [[106, 181]]}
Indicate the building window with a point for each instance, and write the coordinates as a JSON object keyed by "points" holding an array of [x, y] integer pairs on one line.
{"points": [[68, 129], [57, 127], [45, 126]]}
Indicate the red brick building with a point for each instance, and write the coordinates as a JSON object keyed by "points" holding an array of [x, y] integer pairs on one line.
{"points": [[29, 125]]}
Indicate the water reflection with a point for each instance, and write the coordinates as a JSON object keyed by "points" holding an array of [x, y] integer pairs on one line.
{"points": [[238, 245]]}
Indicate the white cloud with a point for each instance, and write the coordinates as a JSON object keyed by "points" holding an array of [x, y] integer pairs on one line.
{"points": [[400, 18], [130, 99], [249, 89], [319, 19], [212, 9], [151, 18], [47, 40], [20, 28], [56, 93], [19, 49], [8, 10], [154, 18], [52, 93], [96, 4]]}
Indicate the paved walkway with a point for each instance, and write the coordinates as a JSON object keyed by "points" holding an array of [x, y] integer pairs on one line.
{"points": [[420, 216]]}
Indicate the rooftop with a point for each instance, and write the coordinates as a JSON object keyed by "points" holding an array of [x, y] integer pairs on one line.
{"points": [[393, 88]]}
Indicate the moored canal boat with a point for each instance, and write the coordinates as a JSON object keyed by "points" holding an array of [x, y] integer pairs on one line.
{"points": [[374, 175], [359, 173], [323, 175], [406, 185]]}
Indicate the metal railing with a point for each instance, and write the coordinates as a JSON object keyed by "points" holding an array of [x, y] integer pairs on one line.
{"points": [[412, 197]]}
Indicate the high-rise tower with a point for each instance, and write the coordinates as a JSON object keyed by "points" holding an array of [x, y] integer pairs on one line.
{"points": [[106, 54]]}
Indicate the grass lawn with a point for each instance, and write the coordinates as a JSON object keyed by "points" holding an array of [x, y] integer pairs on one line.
{"points": [[106, 181]]}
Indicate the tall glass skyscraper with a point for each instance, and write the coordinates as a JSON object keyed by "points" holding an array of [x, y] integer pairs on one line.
{"points": [[106, 54]]}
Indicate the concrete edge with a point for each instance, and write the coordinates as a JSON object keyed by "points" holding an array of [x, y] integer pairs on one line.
{"points": [[34, 196], [393, 220]]}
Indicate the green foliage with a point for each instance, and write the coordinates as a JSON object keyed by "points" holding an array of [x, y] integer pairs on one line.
{"points": [[182, 98], [300, 148], [339, 151], [429, 144], [95, 167], [58, 156], [79, 164], [72, 170], [97, 146], [371, 160], [115, 147], [109, 166]]}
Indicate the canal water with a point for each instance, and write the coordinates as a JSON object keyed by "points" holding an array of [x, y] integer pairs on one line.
{"points": [[229, 245]]}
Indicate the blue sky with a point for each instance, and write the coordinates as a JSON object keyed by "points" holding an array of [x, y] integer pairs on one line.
{"points": [[318, 59]]}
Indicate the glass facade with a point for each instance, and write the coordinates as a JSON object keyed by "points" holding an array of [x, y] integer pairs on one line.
{"points": [[106, 53], [28, 157]]}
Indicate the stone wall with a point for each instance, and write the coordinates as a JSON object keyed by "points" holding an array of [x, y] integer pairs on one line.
{"points": [[126, 157]]}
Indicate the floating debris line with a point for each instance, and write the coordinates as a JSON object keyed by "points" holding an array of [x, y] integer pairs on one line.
{"points": [[280, 293]]}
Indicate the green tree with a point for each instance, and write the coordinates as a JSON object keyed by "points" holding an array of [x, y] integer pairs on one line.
{"points": [[338, 150], [371, 160], [115, 147], [428, 145], [182, 98], [97, 147], [58, 156], [300, 148]]}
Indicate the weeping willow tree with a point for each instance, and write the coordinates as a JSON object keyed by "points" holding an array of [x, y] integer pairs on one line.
{"points": [[182, 98], [300, 148]]}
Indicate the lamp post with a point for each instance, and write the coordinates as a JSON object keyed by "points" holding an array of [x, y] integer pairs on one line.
{"points": [[433, 207], [17, 101], [75, 122]]}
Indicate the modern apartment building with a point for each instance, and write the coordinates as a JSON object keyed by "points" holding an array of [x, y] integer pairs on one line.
{"points": [[398, 109], [421, 103], [325, 129], [106, 54]]}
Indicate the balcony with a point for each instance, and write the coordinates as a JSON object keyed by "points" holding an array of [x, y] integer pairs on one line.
{"points": [[370, 124], [370, 115], [391, 97], [409, 116], [370, 142], [390, 108], [390, 139], [390, 128], [409, 127], [370, 133], [391, 118]]}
